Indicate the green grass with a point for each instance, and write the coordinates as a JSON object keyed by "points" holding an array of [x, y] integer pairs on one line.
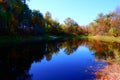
{"points": [[105, 38], [101, 38]]}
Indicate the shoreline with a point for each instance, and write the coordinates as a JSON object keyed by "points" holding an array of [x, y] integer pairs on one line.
{"points": [[21, 39], [103, 38]]}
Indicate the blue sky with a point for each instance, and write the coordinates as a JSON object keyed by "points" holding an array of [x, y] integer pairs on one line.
{"points": [[82, 11]]}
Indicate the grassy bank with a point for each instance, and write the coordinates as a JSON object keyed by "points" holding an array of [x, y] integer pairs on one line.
{"points": [[105, 38], [21, 39]]}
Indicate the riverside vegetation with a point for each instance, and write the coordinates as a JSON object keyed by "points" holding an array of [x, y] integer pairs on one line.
{"points": [[18, 21]]}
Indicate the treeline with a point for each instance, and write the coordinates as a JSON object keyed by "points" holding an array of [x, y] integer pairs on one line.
{"points": [[17, 19], [108, 25]]}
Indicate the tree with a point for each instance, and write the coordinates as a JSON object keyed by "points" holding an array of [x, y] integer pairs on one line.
{"points": [[70, 24], [48, 15], [52, 26], [38, 22]]}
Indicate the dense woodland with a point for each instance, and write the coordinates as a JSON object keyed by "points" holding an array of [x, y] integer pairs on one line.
{"points": [[17, 19]]}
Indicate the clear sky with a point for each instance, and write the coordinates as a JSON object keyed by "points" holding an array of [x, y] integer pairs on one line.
{"points": [[82, 11]]}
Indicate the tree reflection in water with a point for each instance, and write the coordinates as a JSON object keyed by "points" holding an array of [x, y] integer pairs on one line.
{"points": [[16, 59]]}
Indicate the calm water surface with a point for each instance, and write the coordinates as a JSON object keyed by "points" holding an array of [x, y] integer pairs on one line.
{"points": [[79, 65], [55, 60]]}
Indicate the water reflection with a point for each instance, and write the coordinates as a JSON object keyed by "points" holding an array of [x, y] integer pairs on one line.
{"points": [[43, 60]]}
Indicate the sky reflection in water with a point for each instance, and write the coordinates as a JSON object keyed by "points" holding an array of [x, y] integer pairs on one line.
{"points": [[80, 65]]}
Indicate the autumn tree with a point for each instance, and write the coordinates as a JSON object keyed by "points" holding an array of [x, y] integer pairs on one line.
{"points": [[71, 25], [52, 26]]}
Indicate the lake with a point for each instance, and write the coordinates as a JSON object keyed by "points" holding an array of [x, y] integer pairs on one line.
{"points": [[72, 59]]}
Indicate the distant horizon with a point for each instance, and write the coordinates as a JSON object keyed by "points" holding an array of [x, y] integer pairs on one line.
{"points": [[82, 11]]}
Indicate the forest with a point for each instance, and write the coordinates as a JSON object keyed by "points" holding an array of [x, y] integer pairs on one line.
{"points": [[17, 19]]}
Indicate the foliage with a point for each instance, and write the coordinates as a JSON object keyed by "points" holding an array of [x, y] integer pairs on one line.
{"points": [[107, 25], [16, 19]]}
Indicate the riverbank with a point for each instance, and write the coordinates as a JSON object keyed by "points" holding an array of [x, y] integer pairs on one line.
{"points": [[21, 39], [103, 38], [9, 39]]}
